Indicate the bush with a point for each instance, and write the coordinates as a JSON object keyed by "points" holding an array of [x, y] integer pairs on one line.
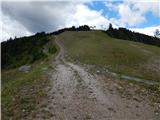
{"points": [[52, 50]]}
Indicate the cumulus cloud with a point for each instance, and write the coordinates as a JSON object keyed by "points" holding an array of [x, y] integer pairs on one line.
{"points": [[131, 12], [83, 15], [38, 16], [146, 6], [12, 28], [48, 16], [26, 18]]}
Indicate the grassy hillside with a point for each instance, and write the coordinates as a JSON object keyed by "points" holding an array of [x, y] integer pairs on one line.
{"points": [[21, 92], [121, 56]]}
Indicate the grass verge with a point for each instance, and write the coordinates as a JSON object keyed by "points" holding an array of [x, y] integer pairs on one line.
{"points": [[22, 92]]}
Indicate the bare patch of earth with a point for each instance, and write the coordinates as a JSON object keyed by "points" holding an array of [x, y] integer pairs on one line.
{"points": [[76, 94], [153, 65]]}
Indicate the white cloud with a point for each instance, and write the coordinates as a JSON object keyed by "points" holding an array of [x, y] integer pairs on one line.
{"points": [[25, 18], [147, 30], [111, 6], [133, 12], [128, 16], [84, 15], [11, 28], [38, 16], [146, 6], [30, 17]]}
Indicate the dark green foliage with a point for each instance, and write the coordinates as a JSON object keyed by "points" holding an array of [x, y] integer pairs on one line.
{"points": [[123, 33], [23, 50], [110, 27], [73, 28], [52, 50], [83, 28]]}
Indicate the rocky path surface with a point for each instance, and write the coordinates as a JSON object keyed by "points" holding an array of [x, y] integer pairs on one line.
{"points": [[78, 95]]}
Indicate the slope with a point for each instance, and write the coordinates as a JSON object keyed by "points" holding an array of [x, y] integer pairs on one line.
{"points": [[120, 56], [22, 91], [77, 93]]}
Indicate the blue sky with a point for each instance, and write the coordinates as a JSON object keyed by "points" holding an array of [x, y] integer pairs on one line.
{"points": [[99, 5], [23, 18], [151, 19]]}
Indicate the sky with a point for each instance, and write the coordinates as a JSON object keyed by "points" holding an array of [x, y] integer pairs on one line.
{"points": [[24, 18]]}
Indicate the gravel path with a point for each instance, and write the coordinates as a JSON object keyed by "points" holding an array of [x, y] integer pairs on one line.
{"points": [[78, 95]]}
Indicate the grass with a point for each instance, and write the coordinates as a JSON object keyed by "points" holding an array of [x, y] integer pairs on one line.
{"points": [[22, 92], [121, 56]]}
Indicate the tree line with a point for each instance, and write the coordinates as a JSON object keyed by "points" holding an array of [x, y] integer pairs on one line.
{"points": [[24, 50], [73, 28], [125, 34]]}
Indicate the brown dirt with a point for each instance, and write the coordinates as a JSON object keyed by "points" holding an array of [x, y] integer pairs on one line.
{"points": [[76, 94]]}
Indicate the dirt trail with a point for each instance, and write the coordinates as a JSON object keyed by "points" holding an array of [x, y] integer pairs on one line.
{"points": [[78, 95]]}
